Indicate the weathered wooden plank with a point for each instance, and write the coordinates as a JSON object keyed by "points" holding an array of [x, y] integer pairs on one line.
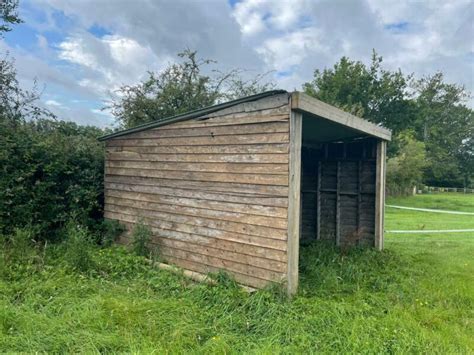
{"points": [[318, 204], [252, 128], [205, 269], [203, 232], [274, 148], [214, 247], [263, 138], [198, 194], [258, 106], [199, 158], [223, 215], [280, 180], [258, 210], [338, 204], [380, 194], [221, 187], [266, 266], [294, 203], [242, 168], [217, 262], [272, 115], [249, 230], [217, 250]]}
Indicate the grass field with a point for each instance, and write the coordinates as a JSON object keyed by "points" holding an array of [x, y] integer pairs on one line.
{"points": [[416, 296]]}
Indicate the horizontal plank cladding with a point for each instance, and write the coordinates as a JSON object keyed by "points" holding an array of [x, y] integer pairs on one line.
{"points": [[213, 190], [240, 242], [277, 115], [195, 261], [242, 168], [262, 258], [130, 155], [259, 179], [258, 138], [253, 209], [198, 227], [213, 131], [232, 188], [205, 267], [279, 223], [247, 149], [198, 194]]}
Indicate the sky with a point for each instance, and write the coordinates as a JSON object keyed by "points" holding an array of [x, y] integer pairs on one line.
{"points": [[80, 52]]}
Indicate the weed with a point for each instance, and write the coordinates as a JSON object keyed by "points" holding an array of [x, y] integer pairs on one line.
{"points": [[78, 245], [141, 238], [110, 231]]}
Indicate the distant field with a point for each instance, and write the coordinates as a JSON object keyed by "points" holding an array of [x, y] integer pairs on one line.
{"points": [[397, 219], [440, 201], [417, 296]]}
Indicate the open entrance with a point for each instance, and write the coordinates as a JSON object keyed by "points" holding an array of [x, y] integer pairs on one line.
{"points": [[338, 184]]}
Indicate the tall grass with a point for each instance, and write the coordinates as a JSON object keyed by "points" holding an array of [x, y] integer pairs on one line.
{"points": [[417, 296], [362, 301]]}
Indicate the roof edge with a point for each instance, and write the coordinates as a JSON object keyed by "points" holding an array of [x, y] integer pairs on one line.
{"points": [[303, 102], [191, 114]]}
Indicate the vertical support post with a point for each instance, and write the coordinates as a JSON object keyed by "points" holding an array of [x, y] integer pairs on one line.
{"points": [[318, 202], [294, 201], [380, 193], [359, 195], [338, 204]]}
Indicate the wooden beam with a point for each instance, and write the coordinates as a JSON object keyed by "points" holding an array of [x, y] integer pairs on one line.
{"points": [[306, 103], [318, 203], [359, 194], [380, 194], [338, 204], [294, 201]]}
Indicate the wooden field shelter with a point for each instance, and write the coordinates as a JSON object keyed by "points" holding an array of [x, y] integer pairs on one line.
{"points": [[239, 186]]}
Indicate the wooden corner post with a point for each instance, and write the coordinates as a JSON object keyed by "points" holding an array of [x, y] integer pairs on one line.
{"points": [[294, 201], [380, 193]]}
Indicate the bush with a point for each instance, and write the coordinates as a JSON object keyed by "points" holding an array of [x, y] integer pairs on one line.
{"points": [[141, 237], [78, 245], [50, 172], [20, 254], [110, 231]]}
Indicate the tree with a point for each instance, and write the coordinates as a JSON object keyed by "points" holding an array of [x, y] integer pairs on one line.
{"points": [[8, 15], [405, 170], [180, 88], [371, 92], [432, 109], [446, 126]]}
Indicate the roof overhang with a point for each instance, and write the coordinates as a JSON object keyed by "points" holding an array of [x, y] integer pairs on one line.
{"points": [[304, 103]]}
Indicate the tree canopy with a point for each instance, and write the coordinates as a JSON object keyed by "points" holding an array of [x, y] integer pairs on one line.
{"points": [[181, 87], [427, 109]]}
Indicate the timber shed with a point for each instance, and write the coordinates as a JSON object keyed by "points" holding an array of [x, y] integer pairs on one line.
{"points": [[241, 185]]}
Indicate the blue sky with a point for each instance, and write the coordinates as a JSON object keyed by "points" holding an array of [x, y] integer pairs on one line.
{"points": [[81, 52]]}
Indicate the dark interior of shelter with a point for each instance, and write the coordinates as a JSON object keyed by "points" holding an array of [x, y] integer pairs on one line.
{"points": [[338, 177]]}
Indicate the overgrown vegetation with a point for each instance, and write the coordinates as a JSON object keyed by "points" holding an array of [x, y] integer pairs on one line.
{"points": [[141, 238], [417, 296]]}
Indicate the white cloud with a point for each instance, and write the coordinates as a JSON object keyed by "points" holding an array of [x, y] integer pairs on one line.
{"points": [[53, 103], [292, 37], [286, 52], [108, 62]]}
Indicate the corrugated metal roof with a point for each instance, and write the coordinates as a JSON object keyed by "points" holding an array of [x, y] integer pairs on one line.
{"points": [[192, 114]]}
